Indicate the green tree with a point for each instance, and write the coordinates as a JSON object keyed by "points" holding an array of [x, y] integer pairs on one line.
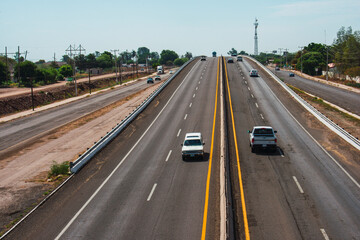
{"points": [[27, 73], [46, 76], [168, 56], [80, 62], [232, 52], [90, 60], [4, 74], [105, 60], [180, 61], [311, 61], [346, 49], [188, 55], [143, 53], [66, 70], [125, 57]]}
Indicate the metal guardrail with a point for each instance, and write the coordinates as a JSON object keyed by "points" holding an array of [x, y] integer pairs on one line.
{"points": [[87, 156], [321, 117]]}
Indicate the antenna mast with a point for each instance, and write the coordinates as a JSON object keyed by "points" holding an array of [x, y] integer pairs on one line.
{"points": [[256, 38]]}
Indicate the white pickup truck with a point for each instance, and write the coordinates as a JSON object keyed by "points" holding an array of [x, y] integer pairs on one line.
{"points": [[262, 137]]}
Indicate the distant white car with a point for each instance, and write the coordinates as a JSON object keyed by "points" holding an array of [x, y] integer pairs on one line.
{"points": [[157, 78], [193, 146]]}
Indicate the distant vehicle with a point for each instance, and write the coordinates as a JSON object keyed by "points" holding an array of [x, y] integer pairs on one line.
{"points": [[203, 58], [150, 80], [291, 74], [160, 69], [214, 54], [254, 73], [193, 146], [157, 78], [262, 137], [230, 60], [171, 72], [277, 68], [239, 58], [234, 54]]}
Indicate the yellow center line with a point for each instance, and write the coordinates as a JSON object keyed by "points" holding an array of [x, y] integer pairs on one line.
{"points": [[203, 233], [246, 226]]}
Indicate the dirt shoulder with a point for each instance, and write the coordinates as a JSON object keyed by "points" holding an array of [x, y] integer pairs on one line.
{"points": [[23, 175]]}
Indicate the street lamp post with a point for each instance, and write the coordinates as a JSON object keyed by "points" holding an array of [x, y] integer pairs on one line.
{"points": [[32, 93]]}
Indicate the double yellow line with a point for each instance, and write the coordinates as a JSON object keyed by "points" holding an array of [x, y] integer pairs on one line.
{"points": [[246, 226], [203, 232]]}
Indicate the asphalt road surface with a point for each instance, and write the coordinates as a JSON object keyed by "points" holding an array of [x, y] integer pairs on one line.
{"points": [[340, 97], [20, 130], [296, 193], [139, 187]]}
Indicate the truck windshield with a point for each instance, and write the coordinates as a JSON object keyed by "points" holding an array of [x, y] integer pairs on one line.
{"points": [[196, 142]]}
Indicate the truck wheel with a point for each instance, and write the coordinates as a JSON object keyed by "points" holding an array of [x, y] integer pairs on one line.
{"points": [[252, 149]]}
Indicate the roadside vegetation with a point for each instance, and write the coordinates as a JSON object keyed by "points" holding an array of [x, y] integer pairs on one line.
{"points": [[343, 57], [19, 72], [59, 170]]}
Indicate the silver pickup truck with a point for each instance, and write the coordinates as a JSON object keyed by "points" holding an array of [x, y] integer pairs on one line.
{"points": [[262, 137]]}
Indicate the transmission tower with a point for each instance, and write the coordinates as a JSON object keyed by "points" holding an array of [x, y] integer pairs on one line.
{"points": [[73, 53], [256, 37]]}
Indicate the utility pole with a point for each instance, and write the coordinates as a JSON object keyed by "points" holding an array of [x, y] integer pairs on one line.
{"points": [[301, 59], [280, 51], [286, 52], [116, 70], [17, 57], [327, 59]]}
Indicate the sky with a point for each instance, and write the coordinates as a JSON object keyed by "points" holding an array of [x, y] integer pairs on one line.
{"points": [[46, 27]]}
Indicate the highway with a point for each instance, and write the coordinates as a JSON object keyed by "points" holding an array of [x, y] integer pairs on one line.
{"points": [[296, 193], [22, 130], [340, 97], [139, 187]]}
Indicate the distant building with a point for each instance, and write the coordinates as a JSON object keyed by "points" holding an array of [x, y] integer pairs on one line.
{"points": [[95, 71]]}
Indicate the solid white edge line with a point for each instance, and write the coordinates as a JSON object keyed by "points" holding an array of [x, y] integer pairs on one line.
{"points": [[178, 134], [326, 237], [298, 185], [121, 162], [185, 117], [317, 143], [168, 156], [152, 192]]}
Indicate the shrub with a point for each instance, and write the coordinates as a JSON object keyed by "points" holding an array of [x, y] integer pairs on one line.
{"points": [[59, 168]]}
